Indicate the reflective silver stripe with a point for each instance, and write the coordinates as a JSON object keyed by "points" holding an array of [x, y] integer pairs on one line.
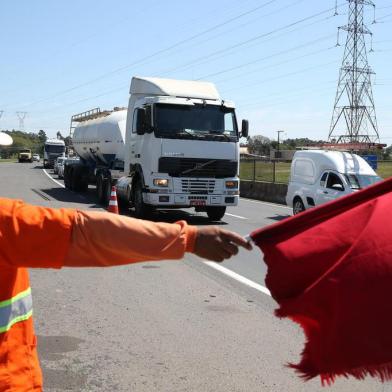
{"points": [[18, 308]]}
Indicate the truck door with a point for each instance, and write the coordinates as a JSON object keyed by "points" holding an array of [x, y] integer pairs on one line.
{"points": [[330, 187], [136, 138]]}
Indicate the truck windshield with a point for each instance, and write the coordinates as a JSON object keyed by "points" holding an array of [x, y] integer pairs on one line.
{"points": [[55, 149], [359, 181], [207, 122]]}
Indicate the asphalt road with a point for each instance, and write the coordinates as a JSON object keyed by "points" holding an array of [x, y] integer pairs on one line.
{"points": [[162, 326]]}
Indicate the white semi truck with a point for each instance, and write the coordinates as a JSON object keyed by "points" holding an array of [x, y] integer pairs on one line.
{"points": [[175, 146], [53, 149]]}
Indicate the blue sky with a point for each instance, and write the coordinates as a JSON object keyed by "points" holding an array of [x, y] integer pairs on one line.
{"points": [[276, 59]]}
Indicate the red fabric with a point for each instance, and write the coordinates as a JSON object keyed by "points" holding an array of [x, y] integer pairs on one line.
{"points": [[330, 270]]}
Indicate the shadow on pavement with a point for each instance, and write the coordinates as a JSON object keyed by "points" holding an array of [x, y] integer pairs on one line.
{"points": [[278, 217], [67, 196], [171, 216]]}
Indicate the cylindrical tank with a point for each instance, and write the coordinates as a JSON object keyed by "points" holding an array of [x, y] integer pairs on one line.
{"points": [[101, 140]]}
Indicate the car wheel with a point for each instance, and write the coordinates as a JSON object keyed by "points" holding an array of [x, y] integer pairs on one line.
{"points": [[298, 206]]}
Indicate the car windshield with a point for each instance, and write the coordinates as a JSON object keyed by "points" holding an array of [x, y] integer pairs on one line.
{"points": [[359, 181], [196, 122], [52, 148]]}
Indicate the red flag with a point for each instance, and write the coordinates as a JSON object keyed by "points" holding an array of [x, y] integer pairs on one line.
{"points": [[330, 270]]}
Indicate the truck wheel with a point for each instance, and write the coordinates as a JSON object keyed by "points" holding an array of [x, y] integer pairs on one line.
{"points": [[103, 190], [298, 206], [142, 210], [215, 213], [74, 180], [67, 183], [100, 190]]}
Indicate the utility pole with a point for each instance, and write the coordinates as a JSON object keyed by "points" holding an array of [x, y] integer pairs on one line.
{"points": [[278, 151], [21, 117], [354, 114]]}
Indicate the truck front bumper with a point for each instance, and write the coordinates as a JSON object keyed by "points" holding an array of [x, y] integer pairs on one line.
{"points": [[181, 200]]}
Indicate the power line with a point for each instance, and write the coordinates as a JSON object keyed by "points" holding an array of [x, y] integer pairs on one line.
{"points": [[190, 64], [216, 54], [309, 43], [191, 38], [144, 59], [282, 76]]}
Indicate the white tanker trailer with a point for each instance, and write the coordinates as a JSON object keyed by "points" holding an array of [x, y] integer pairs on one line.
{"points": [[176, 146]]}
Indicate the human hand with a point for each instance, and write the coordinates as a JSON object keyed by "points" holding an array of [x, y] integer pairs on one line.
{"points": [[216, 244]]}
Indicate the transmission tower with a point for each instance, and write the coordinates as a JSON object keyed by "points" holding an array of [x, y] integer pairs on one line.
{"points": [[354, 115], [21, 117]]}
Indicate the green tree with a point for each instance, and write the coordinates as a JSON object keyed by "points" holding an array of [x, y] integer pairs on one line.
{"points": [[259, 145]]}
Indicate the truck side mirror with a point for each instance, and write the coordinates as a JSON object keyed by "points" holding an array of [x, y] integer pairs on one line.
{"points": [[244, 128], [141, 121]]}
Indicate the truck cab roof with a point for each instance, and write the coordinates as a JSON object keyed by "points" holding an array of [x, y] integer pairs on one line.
{"points": [[175, 88]]}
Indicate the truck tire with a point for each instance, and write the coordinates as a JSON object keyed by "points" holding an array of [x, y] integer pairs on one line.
{"points": [[103, 189], [298, 206], [66, 176], [215, 213], [142, 210]]}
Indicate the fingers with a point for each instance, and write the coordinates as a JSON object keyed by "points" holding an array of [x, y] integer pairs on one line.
{"points": [[236, 239], [215, 244]]}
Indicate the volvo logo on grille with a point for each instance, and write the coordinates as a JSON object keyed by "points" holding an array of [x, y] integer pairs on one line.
{"points": [[198, 166]]}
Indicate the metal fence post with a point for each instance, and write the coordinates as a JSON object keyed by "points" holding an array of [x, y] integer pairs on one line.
{"points": [[273, 171], [254, 170]]}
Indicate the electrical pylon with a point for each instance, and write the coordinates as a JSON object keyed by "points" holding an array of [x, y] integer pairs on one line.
{"points": [[21, 117], [354, 115]]}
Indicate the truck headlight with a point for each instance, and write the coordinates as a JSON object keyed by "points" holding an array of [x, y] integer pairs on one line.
{"points": [[231, 184], [163, 182]]}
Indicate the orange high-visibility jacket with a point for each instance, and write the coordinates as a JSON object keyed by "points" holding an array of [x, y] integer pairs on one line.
{"points": [[51, 238]]}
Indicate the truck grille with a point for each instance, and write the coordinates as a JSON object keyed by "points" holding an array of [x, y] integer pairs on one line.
{"points": [[197, 186], [195, 167]]}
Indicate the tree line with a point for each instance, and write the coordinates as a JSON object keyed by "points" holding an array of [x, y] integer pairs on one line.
{"points": [[261, 145], [27, 140]]}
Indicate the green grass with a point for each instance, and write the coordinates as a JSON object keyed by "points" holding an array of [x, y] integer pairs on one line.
{"points": [[264, 170], [8, 160], [384, 169]]}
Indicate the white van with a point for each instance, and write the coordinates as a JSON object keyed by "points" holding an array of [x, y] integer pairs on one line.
{"points": [[318, 176]]}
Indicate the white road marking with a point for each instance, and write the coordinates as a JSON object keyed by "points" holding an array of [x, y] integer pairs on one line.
{"points": [[58, 183], [238, 277], [266, 202], [236, 216]]}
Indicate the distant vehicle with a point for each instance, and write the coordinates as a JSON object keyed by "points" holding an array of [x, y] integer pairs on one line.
{"points": [[59, 166], [319, 176], [25, 155], [53, 149], [36, 158], [57, 162], [175, 146]]}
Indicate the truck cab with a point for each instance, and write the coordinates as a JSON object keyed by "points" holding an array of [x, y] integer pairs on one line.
{"points": [[25, 155], [182, 144], [53, 149]]}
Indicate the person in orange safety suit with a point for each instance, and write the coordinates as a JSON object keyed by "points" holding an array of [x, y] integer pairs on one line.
{"points": [[79, 239]]}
